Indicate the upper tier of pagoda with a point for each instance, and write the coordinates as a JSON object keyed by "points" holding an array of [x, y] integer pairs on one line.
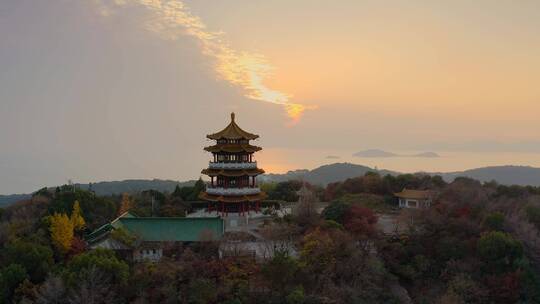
{"points": [[232, 132], [232, 139]]}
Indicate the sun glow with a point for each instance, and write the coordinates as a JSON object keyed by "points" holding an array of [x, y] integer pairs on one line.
{"points": [[171, 19]]}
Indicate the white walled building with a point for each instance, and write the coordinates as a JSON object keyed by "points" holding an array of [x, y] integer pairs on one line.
{"points": [[414, 198]]}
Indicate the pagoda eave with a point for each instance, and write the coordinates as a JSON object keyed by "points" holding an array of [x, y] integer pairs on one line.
{"points": [[232, 173], [233, 199], [232, 148]]}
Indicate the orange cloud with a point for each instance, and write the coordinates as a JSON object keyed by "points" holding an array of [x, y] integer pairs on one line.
{"points": [[172, 18]]}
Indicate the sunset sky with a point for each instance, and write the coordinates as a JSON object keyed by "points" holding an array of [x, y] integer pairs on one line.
{"points": [[104, 90]]}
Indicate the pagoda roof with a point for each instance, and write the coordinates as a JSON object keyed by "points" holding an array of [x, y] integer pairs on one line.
{"points": [[233, 199], [232, 131], [232, 148], [232, 172], [414, 194]]}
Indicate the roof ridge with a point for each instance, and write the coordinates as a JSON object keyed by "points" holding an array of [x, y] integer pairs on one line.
{"points": [[169, 218], [232, 131]]}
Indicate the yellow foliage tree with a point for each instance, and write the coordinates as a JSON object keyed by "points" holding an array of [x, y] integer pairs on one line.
{"points": [[125, 204], [61, 231], [76, 217]]}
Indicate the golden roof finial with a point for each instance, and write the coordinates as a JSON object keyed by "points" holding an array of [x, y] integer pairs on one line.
{"points": [[232, 116]]}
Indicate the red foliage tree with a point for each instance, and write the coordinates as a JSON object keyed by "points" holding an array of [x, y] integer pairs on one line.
{"points": [[463, 212], [360, 221], [504, 288], [78, 246]]}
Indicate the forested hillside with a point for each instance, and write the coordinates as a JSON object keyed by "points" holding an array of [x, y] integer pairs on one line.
{"points": [[478, 243]]}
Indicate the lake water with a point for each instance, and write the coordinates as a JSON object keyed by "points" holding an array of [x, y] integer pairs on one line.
{"points": [[275, 160]]}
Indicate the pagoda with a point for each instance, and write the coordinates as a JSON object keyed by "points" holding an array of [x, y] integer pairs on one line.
{"points": [[233, 171]]}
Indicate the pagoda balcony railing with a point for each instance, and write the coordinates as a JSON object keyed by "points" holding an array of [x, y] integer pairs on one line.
{"points": [[233, 191], [232, 165]]}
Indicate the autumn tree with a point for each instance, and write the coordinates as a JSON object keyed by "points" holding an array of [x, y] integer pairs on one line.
{"points": [[360, 221], [76, 217], [61, 228], [125, 204]]}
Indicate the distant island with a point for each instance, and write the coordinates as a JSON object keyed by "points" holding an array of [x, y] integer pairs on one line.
{"points": [[377, 153], [332, 157], [426, 155], [374, 153]]}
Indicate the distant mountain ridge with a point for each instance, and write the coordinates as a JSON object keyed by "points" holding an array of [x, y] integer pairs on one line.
{"points": [[6, 200], [326, 174], [507, 175], [133, 185], [112, 188], [323, 175]]}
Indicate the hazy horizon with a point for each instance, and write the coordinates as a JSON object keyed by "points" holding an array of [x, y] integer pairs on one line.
{"points": [[110, 90]]}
